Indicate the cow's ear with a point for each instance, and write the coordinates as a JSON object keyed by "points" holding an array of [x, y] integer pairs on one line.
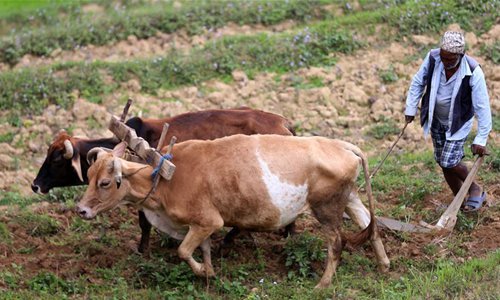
{"points": [[119, 149]]}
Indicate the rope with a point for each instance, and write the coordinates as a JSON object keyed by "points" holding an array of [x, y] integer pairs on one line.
{"points": [[167, 156], [154, 176]]}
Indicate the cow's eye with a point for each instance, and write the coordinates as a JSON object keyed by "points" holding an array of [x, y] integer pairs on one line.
{"points": [[105, 183]]}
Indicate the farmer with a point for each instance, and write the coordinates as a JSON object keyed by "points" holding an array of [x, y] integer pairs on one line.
{"points": [[455, 91]]}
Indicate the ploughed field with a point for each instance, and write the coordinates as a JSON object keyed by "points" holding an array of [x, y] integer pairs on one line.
{"points": [[337, 69]]}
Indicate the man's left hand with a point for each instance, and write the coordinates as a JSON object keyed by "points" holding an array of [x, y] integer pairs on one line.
{"points": [[478, 149]]}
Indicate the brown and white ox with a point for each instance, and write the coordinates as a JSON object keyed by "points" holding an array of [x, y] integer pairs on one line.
{"points": [[258, 182], [66, 160]]}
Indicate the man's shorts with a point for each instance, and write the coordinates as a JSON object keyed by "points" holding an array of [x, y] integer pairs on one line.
{"points": [[447, 153]]}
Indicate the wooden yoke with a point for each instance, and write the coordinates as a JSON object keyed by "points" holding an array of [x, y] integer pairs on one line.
{"points": [[141, 147]]}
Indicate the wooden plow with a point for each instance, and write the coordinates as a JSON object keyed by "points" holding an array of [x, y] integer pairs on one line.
{"points": [[143, 153], [448, 219]]}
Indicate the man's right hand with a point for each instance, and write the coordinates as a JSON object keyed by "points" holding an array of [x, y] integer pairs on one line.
{"points": [[409, 119]]}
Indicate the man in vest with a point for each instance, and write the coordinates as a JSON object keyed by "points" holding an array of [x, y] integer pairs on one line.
{"points": [[455, 91]]}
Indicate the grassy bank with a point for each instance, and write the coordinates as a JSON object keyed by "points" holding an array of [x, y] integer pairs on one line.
{"points": [[30, 90], [117, 25]]}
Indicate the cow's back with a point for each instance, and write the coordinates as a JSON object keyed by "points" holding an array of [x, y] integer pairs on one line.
{"points": [[212, 124], [263, 174]]}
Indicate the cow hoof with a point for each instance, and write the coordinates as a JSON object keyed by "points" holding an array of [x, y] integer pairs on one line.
{"points": [[205, 272], [383, 268], [210, 272], [322, 285]]}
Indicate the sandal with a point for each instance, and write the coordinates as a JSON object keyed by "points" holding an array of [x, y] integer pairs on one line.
{"points": [[474, 203]]}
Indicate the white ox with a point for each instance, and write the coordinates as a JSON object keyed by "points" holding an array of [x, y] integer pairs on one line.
{"points": [[259, 183]]}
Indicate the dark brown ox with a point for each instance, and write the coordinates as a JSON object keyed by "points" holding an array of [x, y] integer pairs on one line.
{"points": [[258, 182], [66, 164]]}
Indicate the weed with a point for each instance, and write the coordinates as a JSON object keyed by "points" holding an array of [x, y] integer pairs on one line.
{"points": [[285, 52], [14, 198], [50, 283], [65, 195], [415, 17], [193, 17], [383, 128], [37, 224], [6, 137], [5, 236], [309, 83], [388, 75], [233, 289], [79, 225], [157, 272], [11, 277], [492, 52], [465, 222], [301, 250]]}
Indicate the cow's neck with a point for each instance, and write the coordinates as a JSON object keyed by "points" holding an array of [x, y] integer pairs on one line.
{"points": [[139, 178]]}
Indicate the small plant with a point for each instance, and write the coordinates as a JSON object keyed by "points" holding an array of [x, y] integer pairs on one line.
{"points": [[67, 194], [465, 222], [301, 250], [37, 224], [157, 272], [387, 127], [389, 75], [5, 236], [492, 52], [11, 278], [6, 137], [50, 283]]}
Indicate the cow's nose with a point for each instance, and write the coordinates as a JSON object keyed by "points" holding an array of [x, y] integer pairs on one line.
{"points": [[84, 212], [35, 188]]}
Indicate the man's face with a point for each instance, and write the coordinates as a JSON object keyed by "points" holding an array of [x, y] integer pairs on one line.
{"points": [[450, 60]]}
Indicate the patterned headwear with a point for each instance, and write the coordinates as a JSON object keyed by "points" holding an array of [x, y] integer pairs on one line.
{"points": [[453, 42]]}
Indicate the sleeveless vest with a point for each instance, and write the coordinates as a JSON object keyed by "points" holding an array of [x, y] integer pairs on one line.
{"points": [[463, 110]]}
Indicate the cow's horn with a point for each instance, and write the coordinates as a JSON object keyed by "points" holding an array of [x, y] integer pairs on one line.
{"points": [[68, 154], [117, 167], [93, 154]]}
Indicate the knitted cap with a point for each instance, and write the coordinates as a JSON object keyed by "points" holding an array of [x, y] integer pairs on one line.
{"points": [[453, 42]]}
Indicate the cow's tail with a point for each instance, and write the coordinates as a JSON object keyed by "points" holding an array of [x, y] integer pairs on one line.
{"points": [[359, 238]]}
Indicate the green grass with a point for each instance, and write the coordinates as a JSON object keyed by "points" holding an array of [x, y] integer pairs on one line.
{"points": [[37, 225], [412, 175], [417, 17], [16, 7], [31, 90], [192, 16], [492, 52]]}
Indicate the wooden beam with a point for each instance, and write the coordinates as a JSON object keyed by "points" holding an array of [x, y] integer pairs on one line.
{"points": [[449, 217]]}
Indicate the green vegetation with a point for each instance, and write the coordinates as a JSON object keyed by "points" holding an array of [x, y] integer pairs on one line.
{"points": [[37, 224], [384, 128], [412, 174], [492, 52], [48, 283], [147, 22], [30, 90], [301, 250], [427, 16], [5, 236], [388, 75]]}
